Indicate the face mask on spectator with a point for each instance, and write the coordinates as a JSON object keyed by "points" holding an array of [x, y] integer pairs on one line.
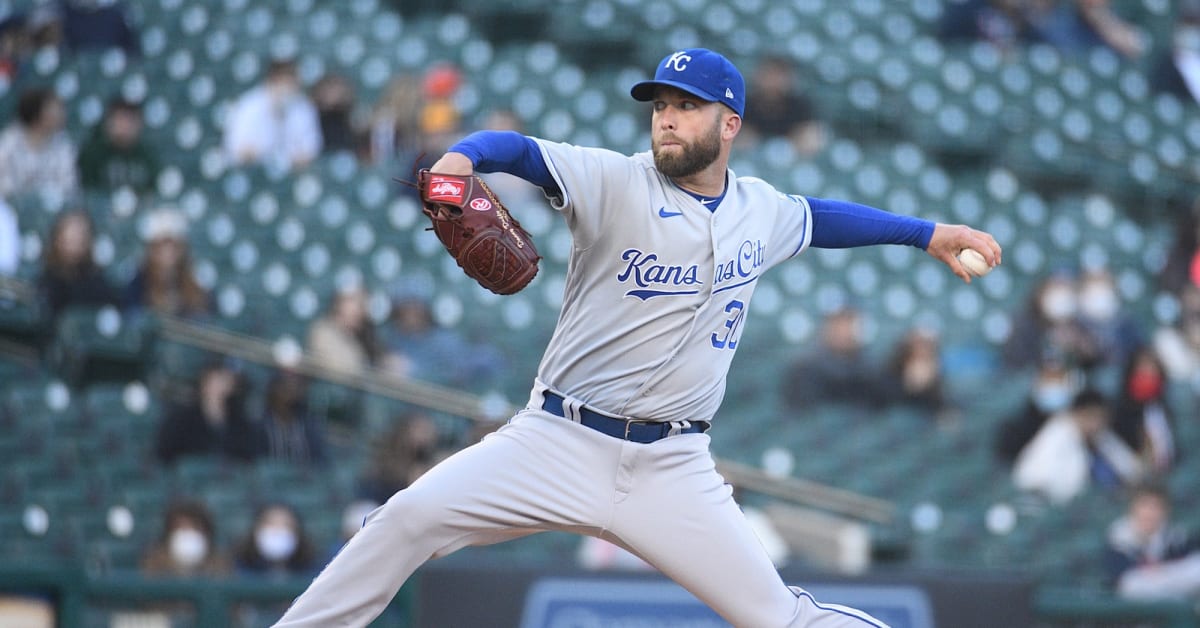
{"points": [[1098, 302], [275, 543], [1052, 397], [1058, 303], [188, 547]]}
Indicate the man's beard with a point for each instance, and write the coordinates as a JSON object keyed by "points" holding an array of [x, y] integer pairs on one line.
{"points": [[692, 158]]}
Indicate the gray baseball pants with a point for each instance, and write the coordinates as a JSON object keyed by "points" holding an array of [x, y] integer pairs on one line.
{"points": [[663, 501]]}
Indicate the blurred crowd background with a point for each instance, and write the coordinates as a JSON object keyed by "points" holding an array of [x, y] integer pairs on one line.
{"points": [[234, 164]]}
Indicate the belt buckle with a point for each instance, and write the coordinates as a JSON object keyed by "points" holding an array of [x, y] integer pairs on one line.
{"points": [[629, 423]]}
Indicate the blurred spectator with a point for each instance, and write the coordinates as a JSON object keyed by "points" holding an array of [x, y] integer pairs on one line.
{"points": [[10, 240], [440, 120], [116, 154], [290, 432], [275, 123], [333, 96], [165, 282], [187, 546], [213, 422], [1143, 417], [1074, 448], [70, 275], [395, 123], [1148, 557], [277, 544], [399, 456], [417, 347], [44, 27], [837, 371], [776, 107], [1054, 385], [1098, 25], [999, 22], [344, 339], [1058, 23], [14, 47], [1115, 333], [1177, 70], [1179, 345], [915, 370], [1051, 324], [1071, 26], [1183, 260], [97, 25], [36, 157]]}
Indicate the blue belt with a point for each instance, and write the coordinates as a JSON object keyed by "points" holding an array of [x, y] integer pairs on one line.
{"points": [[632, 430]]}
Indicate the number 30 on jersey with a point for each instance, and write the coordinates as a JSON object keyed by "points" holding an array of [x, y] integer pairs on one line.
{"points": [[727, 337]]}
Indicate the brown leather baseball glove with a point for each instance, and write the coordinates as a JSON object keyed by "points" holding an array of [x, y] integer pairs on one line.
{"points": [[486, 241]]}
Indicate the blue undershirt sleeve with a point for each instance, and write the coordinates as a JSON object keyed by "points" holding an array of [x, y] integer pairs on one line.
{"points": [[841, 224], [507, 151]]}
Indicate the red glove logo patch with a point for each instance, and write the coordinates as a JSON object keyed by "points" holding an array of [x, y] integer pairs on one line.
{"points": [[487, 243], [446, 190]]}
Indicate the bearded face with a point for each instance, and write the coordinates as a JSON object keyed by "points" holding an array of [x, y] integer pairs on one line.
{"points": [[684, 158]]}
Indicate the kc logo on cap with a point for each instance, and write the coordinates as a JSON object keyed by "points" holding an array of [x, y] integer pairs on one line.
{"points": [[678, 61], [701, 73]]}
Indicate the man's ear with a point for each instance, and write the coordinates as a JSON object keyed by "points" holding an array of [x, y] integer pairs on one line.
{"points": [[730, 126]]}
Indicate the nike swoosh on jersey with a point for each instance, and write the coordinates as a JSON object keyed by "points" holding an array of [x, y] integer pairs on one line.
{"points": [[662, 212]]}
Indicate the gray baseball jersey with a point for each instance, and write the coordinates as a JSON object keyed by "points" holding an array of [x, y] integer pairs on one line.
{"points": [[658, 286]]}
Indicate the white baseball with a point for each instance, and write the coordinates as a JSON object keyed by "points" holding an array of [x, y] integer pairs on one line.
{"points": [[973, 261]]}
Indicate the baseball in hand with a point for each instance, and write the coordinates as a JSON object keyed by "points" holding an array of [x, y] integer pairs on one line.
{"points": [[973, 261]]}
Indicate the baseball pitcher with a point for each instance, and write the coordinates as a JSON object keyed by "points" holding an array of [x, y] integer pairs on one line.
{"points": [[668, 246]]}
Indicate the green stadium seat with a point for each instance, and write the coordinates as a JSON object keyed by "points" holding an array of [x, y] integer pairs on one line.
{"points": [[99, 343], [114, 554], [56, 545], [386, 263], [143, 488], [274, 281], [315, 260], [304, 304], [193, 473]]}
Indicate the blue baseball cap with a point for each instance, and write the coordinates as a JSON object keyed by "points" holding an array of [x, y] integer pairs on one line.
{"points": [[701, 73]]}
